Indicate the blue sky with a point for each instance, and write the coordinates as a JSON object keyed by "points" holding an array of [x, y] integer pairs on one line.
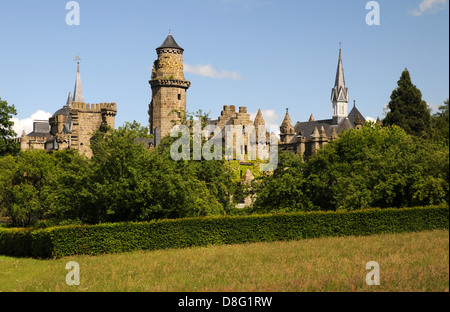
{"points": [[267, 54]]}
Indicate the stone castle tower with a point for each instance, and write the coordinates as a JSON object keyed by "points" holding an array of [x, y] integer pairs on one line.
{"points": [[168, 89], [72, 126]]}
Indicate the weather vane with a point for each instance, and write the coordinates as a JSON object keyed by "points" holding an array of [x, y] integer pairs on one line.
{"points": [[77, 59]]}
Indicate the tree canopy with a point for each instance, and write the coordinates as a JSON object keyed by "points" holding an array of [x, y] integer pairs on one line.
{"points": [[407, 109], [7, 134], [371, 167]]}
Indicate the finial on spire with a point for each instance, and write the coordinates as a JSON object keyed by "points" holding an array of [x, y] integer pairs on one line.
{"points": [[354, 103], [77, 58], [340, 45], [170, 32]]}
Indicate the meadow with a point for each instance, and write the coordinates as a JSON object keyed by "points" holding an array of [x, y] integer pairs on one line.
{"points": [[410, 262]]}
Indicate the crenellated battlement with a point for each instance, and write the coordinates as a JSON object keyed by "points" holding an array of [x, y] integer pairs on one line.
{"points": [[93, 107]]}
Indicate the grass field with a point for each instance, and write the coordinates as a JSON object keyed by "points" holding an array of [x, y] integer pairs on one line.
{"points": [[408, 262]]}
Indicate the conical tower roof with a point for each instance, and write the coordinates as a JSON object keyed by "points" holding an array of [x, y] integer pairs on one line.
{"points": [[170, 43]]}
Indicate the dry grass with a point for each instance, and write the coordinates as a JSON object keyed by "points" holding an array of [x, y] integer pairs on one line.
{"points": [[408, 262]]}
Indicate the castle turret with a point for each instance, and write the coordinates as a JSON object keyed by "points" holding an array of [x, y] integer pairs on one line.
{"points": [[339, 94], [168, 88], [259, 120], [287, 131]]}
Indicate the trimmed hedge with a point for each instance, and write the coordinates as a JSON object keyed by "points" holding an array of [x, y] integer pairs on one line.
{"points": [[123, 237]]}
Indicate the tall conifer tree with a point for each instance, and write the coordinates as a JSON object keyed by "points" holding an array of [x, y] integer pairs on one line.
{"points": [[407, 109]]}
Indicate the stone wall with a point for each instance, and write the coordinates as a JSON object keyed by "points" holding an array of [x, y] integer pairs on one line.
{"points": [[87, 118]]}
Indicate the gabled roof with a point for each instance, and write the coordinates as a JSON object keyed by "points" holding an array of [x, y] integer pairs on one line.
{"points": [[345, 125], [353, 115], [306, 129]]}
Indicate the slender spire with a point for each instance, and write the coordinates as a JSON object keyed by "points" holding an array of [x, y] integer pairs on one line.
{"points": [[340, 91], [311, 118], [77, 93]]}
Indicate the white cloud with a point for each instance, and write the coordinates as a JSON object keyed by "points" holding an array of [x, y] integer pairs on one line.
{"points": [[27, 123], [431, 6], [209, 71], [433, 107], [371, 119]]}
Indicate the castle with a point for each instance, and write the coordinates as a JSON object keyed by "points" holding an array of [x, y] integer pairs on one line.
{"points": [[72, 126], [169, 89]]}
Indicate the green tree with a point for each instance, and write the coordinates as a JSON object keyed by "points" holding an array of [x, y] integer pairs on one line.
{"points": [[407, 109], [376, 167], [440, 124], [284, 190], [129, 183], [24, 193], [7, 134], [370, 167]]}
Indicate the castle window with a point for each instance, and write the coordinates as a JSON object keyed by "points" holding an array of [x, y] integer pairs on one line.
{"points": [[179, 97]]}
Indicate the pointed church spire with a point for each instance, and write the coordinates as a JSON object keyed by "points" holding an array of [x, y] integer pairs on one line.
{"points": [[77, 93], [339, 94], [311, 118], [340, 91], [340, 79]]}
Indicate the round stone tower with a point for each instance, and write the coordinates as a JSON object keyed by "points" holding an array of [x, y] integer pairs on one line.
{"points": [[168, 89]]}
